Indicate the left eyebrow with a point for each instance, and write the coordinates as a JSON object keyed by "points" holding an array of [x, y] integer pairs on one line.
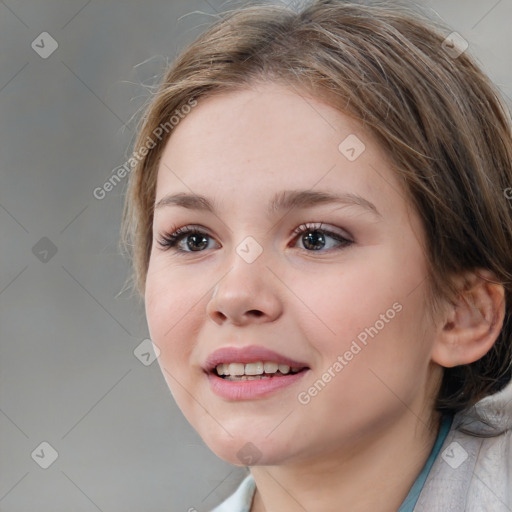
{"points": [[284, 200]]}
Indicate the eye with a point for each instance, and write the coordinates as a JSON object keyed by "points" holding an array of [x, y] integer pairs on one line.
{"points": [[185, 239], [193, 239], [315, 238]]}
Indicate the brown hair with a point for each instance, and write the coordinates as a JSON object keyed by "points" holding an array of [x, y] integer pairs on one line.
{"points": [[437, 114]]}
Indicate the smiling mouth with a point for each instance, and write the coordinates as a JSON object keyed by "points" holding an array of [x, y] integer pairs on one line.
{"points": [[254, 371]]}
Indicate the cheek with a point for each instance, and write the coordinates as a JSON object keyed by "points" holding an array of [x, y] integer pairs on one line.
{"points": [[374, 317], [173, 303], [377, 378], [174, 313], [340, 303]]}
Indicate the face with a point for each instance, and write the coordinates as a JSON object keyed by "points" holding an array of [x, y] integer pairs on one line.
{"points": [[335, 285]]}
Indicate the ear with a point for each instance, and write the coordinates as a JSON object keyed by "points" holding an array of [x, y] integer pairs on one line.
{"points": [[472, 324]]}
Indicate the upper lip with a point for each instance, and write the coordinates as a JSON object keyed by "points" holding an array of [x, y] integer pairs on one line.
{"points": [[249, 354]]}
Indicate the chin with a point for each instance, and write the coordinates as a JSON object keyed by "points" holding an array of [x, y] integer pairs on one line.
{"points": [[247, 450]]}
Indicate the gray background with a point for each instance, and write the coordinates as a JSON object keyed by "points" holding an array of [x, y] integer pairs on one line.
{"points": [[69, 375]]}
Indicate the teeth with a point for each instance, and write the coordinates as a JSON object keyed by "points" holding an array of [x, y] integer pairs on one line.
{"points": [[271, 367], [252, 369], [235, 369], [247, 377], [284, 368]]}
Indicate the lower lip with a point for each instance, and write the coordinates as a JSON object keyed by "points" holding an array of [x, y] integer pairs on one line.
{"points": [[249, 389]]}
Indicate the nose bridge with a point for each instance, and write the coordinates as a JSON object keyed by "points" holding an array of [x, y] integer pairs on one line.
{"points": [[248, 290]]}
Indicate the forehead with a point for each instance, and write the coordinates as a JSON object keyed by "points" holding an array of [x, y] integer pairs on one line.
{"points": [[267, 120], [255, 141]]}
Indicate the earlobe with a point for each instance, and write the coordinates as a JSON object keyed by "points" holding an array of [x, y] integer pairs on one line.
{"points": [[472, 324]]}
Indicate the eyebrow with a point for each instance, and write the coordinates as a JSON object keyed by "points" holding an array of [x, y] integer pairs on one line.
{"points": [[284, 200]]}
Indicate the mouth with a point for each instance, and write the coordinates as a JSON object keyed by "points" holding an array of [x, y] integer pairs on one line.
{"points": [[241, 386], [251, 372], [258, 370]]}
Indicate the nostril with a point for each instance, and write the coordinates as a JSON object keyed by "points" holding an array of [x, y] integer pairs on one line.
{"points": [[217, 317], [255, 312]]}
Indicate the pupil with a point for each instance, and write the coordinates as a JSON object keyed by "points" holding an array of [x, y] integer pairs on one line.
{"points": [[313, 237], [195, 238]]}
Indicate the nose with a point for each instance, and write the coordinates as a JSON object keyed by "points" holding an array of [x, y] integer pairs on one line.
{"points": [[246, 294]]}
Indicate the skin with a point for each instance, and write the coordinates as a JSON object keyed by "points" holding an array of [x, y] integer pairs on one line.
{"points": [[343, 447]]}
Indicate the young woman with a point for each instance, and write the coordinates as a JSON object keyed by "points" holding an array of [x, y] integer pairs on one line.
{"points": [[321, 233]]}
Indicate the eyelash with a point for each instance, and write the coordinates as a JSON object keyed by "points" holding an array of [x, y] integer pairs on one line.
{"points": [[169, 241]]}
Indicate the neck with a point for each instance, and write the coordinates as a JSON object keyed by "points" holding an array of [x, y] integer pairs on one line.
{"points": [[372, 474]]}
